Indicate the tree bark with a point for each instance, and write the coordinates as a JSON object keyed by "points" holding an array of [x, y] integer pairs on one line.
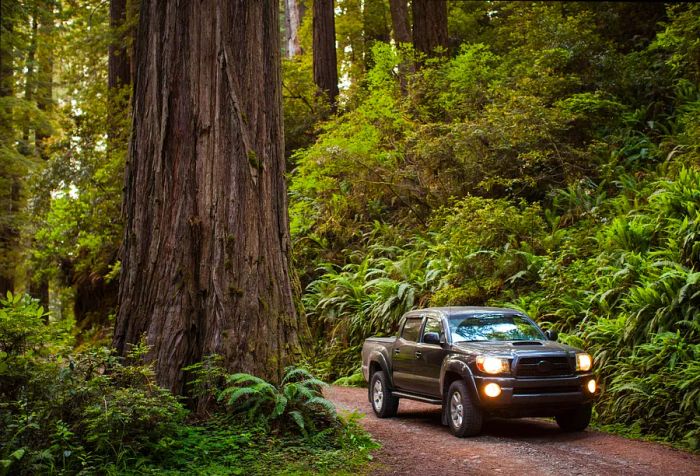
{"points": [[399, 21], [119, 68], [206, 265], [9, 182], [293, 16], [325, 58], [429, 25]]}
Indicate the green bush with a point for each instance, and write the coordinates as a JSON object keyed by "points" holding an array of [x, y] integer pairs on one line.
{"points": [[64, 412]]}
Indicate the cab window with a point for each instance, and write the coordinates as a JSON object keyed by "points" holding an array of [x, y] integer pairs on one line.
{"points": [[432, 325], [411, 329]]}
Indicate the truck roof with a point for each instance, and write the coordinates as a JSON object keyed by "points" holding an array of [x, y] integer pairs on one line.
{"points": [[459, 310]]}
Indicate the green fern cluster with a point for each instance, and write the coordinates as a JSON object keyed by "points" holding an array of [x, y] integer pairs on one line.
{"points": [[297, 402]]}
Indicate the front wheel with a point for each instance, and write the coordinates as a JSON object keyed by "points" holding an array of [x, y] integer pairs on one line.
{"points": [[384, 404], [574, 420], [463, 416]]}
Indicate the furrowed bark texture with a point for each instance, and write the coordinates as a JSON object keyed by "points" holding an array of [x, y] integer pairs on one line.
{"points": [[429, 25], [325, 58], [206, 249], [399, 21]]}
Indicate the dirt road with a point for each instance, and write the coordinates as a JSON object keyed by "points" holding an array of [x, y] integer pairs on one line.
{"points": [[415, 443]]}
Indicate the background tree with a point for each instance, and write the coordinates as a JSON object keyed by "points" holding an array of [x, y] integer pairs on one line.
{"points": [[10, 169], [429, 25], [400, 21], [325, 58], [206, 246], [294, 13]]}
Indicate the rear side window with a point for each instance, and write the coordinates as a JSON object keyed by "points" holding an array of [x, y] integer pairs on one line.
{"points": [[411, 329]]}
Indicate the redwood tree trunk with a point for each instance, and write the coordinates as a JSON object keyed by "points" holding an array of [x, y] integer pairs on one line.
{"points": [[293, 15], [206, 247], [325, 59], [429, 25], [399, 21]]}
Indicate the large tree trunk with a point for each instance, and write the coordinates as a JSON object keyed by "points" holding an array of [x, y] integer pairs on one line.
{"points": [[399, 21], [429, 25], [294, 12], [325, 59], [206, 266]]}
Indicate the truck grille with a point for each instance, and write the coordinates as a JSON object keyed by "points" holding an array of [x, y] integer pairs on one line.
{"points": [[544, 367]]}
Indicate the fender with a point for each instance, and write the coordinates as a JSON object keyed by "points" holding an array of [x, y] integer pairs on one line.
{"points": [[378, 357], [454, 363]]}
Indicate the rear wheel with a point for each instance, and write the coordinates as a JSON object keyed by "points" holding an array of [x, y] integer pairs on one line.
{"points": [[574, 420], [384, 404], [463, 417]]}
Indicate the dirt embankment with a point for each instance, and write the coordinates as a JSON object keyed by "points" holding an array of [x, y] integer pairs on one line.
{"points": [[416, 443]]}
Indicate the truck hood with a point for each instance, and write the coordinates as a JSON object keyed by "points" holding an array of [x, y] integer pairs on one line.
{"points": [[513, 348]]}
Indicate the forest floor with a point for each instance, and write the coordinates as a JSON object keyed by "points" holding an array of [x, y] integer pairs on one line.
{"points": [[415, 442]]}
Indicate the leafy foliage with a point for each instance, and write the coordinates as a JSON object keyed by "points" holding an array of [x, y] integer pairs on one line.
{"points": [[535, 168]]}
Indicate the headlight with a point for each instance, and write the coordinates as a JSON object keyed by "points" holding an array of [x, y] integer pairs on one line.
{"points": [[591, 386], [584, 362], [492, 365]]}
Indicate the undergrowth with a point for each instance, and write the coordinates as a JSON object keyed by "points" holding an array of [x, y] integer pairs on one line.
{"points": [[92, 412]]}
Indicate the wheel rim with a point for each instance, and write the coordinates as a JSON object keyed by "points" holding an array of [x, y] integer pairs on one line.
{"points": [[377, 395], [456, 409]]}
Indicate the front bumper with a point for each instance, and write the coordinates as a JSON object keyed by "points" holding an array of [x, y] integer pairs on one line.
{"points": [[535, 396]]}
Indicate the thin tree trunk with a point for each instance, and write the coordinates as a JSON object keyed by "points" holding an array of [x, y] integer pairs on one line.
{"points": [[206, 266], [43, 95], [293, 16], [29, 84], [375, 23], [119, 68], [9, 182], [325, 58], [399, 21], [429, 25]]}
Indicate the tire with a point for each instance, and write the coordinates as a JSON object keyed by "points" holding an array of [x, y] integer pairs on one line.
{"points": [[574, 420], [384, 404], [463, 417]]}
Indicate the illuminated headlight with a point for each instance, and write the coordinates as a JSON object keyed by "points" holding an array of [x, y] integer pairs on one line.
{"points": [[584, 362], [591, 386], [492, 390], [492, 365]]}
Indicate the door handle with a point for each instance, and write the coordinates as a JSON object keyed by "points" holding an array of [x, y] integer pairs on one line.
{"points": [[397, 351], [419, 354]]}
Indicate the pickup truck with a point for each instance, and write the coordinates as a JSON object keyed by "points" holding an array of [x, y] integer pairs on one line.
{"points": [[478, 362]]}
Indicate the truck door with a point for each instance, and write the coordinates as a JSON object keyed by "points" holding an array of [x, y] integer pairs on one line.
{"points": [[429, 357], [404, 357]]}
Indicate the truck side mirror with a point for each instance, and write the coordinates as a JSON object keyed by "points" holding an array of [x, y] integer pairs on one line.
{"points": [[550, 334], [431, 338]]}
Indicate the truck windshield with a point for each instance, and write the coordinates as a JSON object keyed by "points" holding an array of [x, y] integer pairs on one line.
{"points": [[493, 326]]}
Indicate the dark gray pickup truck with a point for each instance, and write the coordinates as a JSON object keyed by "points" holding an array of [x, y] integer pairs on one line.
{"points": [[478, 362]]}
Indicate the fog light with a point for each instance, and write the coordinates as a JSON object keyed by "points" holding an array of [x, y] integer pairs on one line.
{"points": [[493, 390], [591, 386]]}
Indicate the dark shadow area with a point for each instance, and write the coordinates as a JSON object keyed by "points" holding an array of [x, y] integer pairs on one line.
{"points": [[506, 428]]}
